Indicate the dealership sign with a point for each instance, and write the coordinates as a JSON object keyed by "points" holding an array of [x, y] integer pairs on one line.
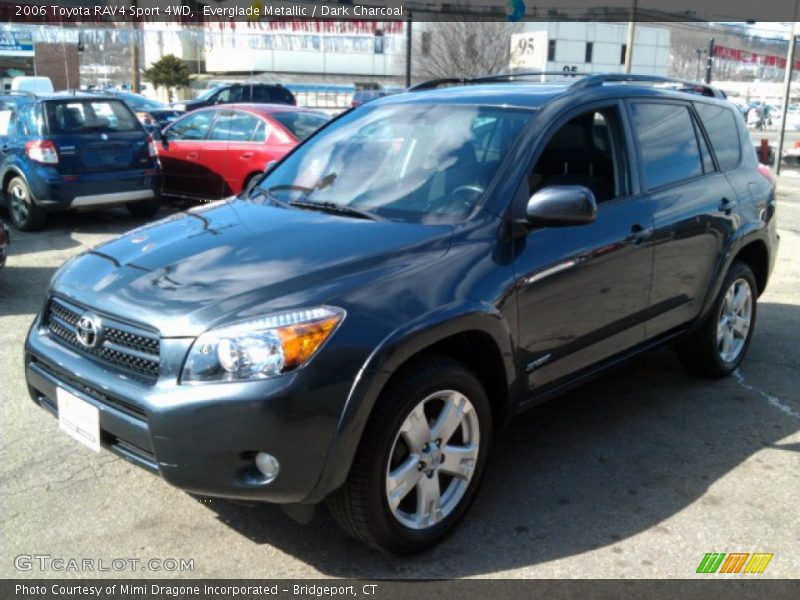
{"points": [[529, 51], [16, 43]]}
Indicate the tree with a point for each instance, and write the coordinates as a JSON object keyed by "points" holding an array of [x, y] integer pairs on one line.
{"points": [[463, 49], [169, 71]]}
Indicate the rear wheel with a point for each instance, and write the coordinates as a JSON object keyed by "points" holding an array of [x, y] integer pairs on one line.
{"points": [[720, 345], [144, 209], [421, 459], [25, 214]]}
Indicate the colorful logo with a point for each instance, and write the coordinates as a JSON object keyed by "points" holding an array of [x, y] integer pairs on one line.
{"points": [[517, 10], [734, 562]]}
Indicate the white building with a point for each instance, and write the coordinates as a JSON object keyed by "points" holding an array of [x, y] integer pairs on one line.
{"points": [[589, 48]]}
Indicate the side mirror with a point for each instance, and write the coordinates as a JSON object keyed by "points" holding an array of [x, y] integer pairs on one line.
{"points": [[270, 165], [561, 205]]}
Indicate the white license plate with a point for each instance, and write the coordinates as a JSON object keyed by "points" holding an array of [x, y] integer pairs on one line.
{"points": [[79, 419]]}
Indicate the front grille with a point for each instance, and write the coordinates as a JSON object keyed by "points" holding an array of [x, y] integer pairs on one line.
{"points": [[124, 347]]}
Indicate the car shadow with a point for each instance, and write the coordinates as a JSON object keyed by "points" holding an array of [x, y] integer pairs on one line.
{"points": [[600, 464]]}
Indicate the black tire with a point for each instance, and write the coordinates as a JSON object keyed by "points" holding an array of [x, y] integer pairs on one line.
{"points": [[26, 215], [144, 209], [701, 353], [361, 506]]}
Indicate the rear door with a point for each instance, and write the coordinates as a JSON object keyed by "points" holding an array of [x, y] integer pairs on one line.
{"points": [[234, 151], [180, 152], [95, 136], [688, 196]]}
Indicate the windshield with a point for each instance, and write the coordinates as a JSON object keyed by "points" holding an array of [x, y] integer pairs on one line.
{"points": [[208, 93], [301, 124], [81, 116], [404, 162]]}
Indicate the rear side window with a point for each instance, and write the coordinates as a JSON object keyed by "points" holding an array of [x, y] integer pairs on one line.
{"points": [[89, 116], [720, 124], [668, 142], [234, 127], [300, 124], [280, 95]]}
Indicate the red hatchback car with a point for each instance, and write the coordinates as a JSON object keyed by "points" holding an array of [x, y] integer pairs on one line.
{"points": [[213, 153]]}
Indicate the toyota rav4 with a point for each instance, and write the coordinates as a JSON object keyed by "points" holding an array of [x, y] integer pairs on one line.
{"points": [[357, 325]]}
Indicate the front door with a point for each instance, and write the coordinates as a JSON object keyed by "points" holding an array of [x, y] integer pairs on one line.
{"points": [[583, 290]]}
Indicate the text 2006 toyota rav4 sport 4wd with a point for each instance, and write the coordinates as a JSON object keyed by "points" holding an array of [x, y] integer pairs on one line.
{"points": [[356, 326]]}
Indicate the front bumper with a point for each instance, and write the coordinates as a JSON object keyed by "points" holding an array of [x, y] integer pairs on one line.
{"points": [[202, 439]]}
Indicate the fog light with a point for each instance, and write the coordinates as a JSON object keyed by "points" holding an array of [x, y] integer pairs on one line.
{"points": [[268, 465]]}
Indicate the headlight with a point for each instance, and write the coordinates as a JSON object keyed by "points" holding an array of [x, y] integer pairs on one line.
{"points": [[260, 348]]}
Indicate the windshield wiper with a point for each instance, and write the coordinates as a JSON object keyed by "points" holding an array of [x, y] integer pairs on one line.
{"points": [[258, 192], [334, 208]]}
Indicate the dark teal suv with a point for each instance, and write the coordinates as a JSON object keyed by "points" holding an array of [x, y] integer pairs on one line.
{"points": [[357, 325]]}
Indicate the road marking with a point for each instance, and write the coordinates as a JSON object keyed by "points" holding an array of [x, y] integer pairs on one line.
{"points": [[773, 400]]}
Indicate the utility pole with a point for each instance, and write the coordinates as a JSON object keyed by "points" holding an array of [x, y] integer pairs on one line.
{"points": [[408, 51], [787, 89], [629, 45], [134, 53], [709, 60]]}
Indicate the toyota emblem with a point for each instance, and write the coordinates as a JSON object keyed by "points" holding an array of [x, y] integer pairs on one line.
{"points": [[88, 330]]}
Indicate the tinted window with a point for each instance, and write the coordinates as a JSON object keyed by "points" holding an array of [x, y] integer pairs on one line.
{"points": [[191, 127], [86, 116], [300, 124], [280, 95], [234, 127], [720, 124], [668, 142]]}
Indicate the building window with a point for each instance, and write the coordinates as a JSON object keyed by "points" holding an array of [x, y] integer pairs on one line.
{"points": [[378, 41], [551, 50], [623, 53], [589, 48], [426, 43]]}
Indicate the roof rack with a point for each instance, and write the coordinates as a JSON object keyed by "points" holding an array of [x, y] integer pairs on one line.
{"points": [[691, 87], [522, 75], [588, 80]]}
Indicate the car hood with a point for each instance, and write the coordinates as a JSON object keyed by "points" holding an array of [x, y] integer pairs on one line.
{"points": [[235, 259]]}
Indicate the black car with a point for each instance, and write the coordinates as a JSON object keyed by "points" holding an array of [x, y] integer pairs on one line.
{"points": [[238, 93], [153, 115], [357, 325]]}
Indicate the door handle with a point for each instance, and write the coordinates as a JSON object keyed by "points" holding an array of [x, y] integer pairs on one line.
{"points": [[247, 156], [638, 234], [192, 155], [726, 205]]}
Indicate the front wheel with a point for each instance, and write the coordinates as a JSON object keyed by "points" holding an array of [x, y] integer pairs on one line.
{"points": [[421, 459], [144, 209], [720, 345]]}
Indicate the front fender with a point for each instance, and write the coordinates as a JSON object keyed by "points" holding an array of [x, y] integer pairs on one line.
{"points": [[391, 354]]}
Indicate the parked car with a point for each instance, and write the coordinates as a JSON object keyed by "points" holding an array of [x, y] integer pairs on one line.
{"points": [[33, 85], [153, 115], [237, 93], [5, 240], [363, 96], [413, 275], [212, 153], [75, 151]]}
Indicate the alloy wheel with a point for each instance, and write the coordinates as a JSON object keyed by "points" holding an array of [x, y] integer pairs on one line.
{"points": [[432, 460], [734, 322]]}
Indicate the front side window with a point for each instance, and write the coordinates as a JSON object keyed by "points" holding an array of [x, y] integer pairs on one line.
{"points": [[194, 126], [89, 116], [668, 143], [404, 162], [584, 151], [720, 124]]}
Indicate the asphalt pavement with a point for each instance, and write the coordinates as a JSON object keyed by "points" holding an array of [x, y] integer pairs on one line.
{"points": [[638, 474]]}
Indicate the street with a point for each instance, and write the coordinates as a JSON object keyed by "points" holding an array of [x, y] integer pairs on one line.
{"points": [[639, 474]]}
